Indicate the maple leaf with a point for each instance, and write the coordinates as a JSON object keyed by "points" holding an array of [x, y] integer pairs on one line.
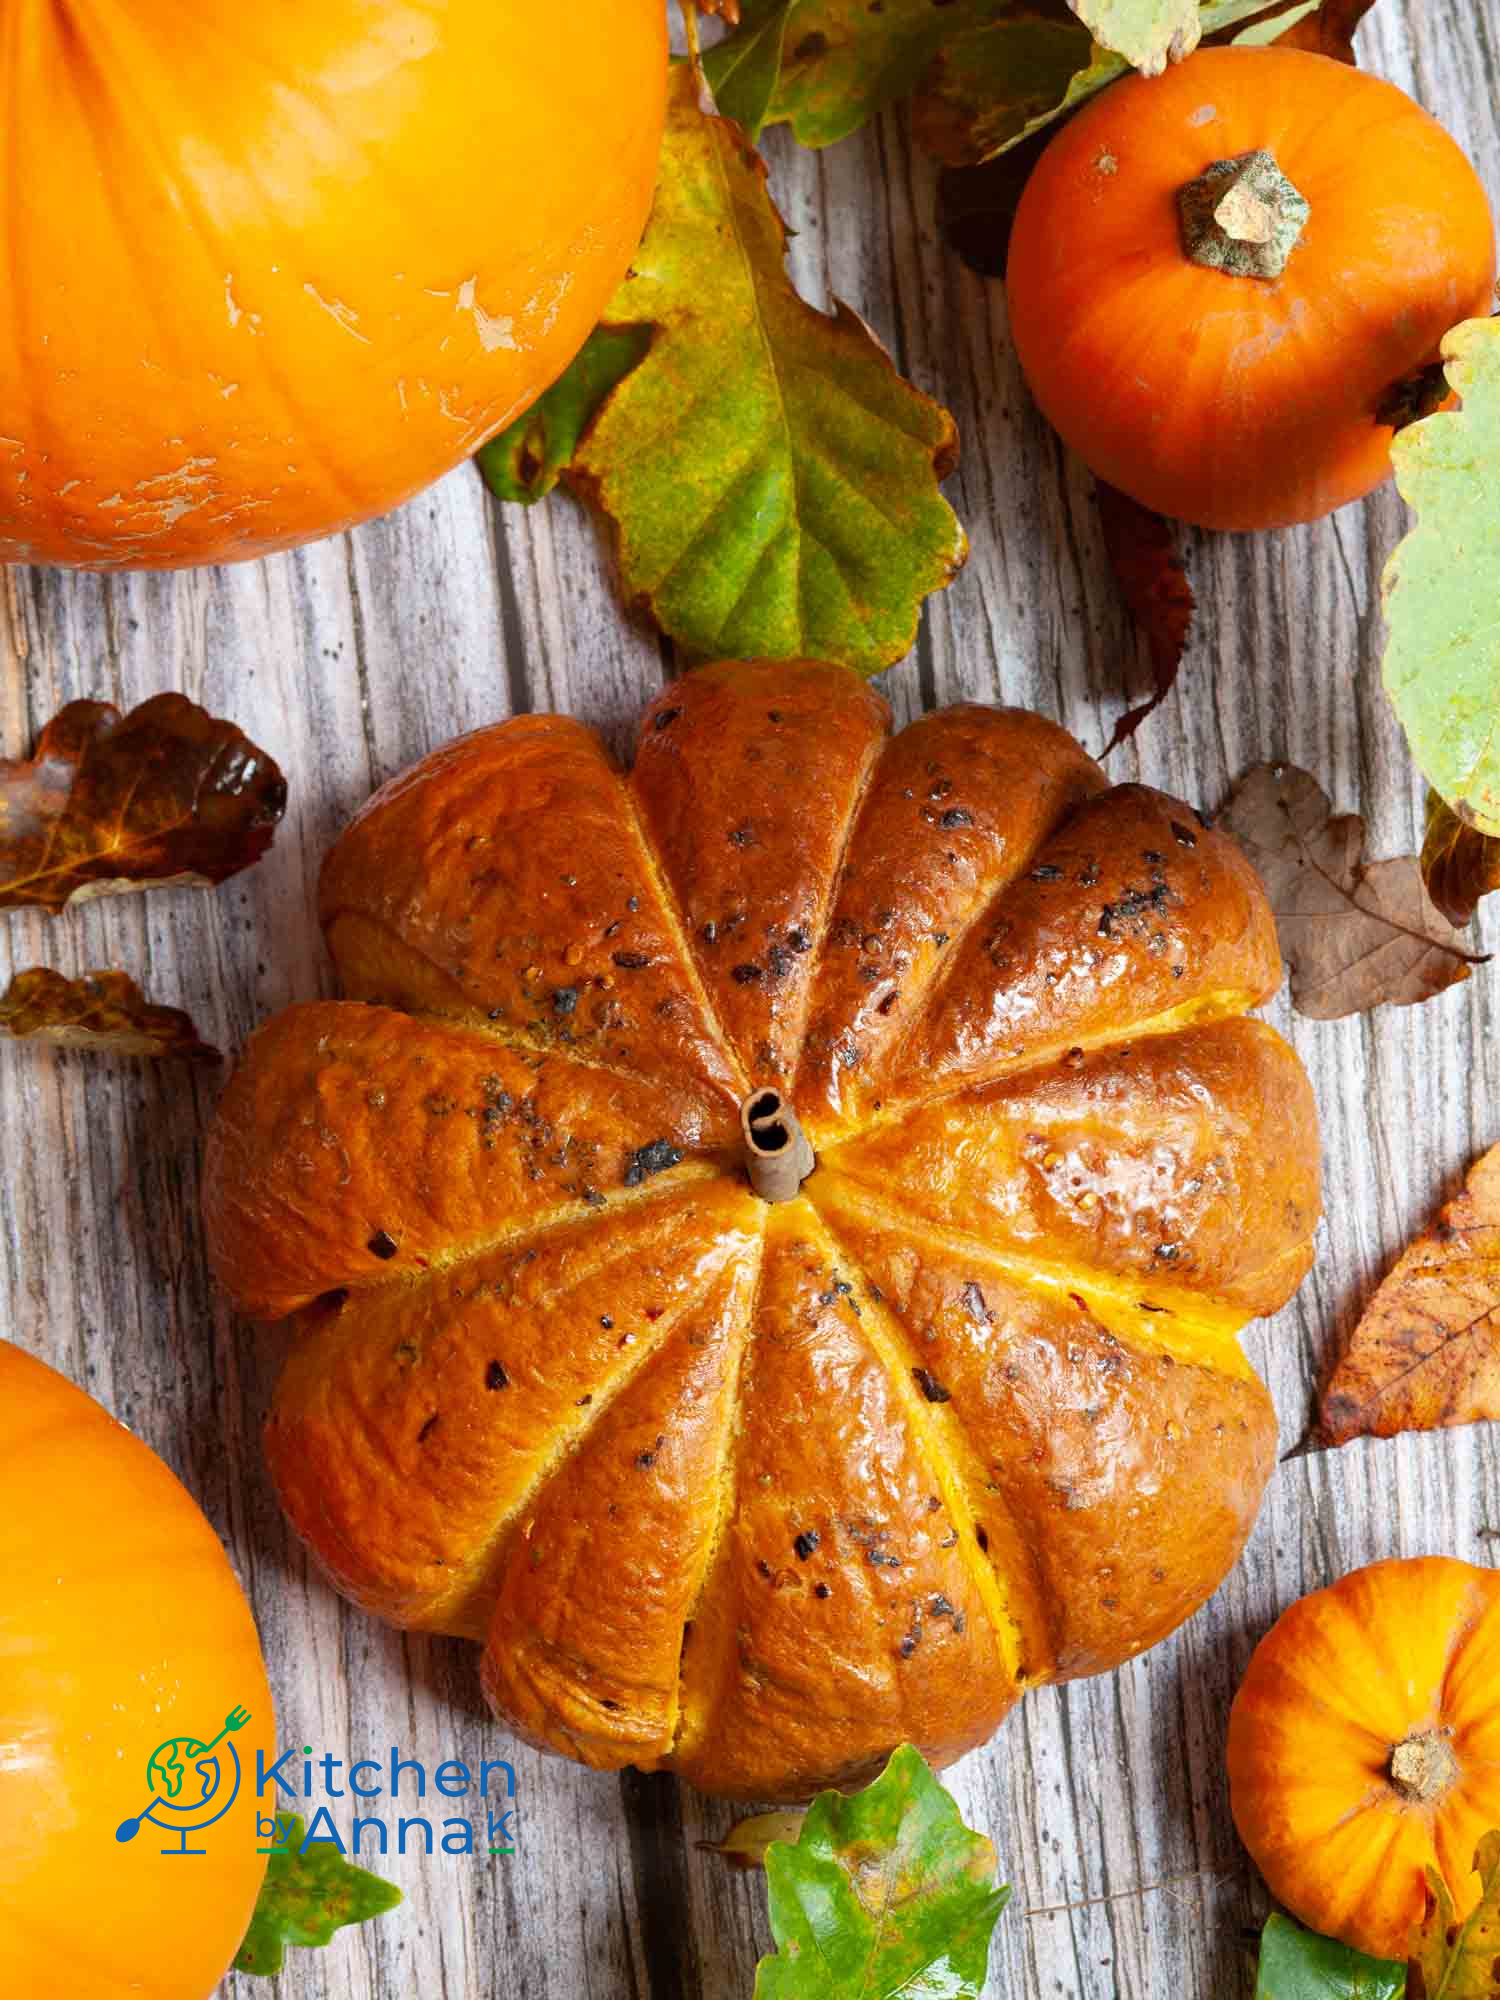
{"points": [[886, 1893], [102, 1011], [771, 480], [1442, 585], [1426, 1352], [1142, 550], [305, 1898], [1459, 864], [162, 796], [1357, 934], [1453, 1961]]}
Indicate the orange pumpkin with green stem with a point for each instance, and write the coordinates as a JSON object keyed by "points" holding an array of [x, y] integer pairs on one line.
{"points": [[272, 269], [1217, 276], [1364, 1747], [122, 1628]]}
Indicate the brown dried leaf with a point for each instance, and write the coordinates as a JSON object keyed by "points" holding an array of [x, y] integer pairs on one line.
{"points": [[1330, 31], [1142, 549], [728, 11], [1426, 1352], [1459, 863], [164, 795], [745, 1844], [1356, 934], [102, 1011]]}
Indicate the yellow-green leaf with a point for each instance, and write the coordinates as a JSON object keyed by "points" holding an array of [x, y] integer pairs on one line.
{"points": [[886, 1893], [1147, 33], [1442, 585], [1452, 1961], [309, 1893], [772, 480]]}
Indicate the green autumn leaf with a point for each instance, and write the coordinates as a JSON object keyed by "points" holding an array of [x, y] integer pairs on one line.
{"points": [[1457, 1961], [839, 62], [1442, 585], [994, 85], [305, 1898], [1299, 1965], [526, 461], [887, 1893], [1147, 33], [772, 480]]}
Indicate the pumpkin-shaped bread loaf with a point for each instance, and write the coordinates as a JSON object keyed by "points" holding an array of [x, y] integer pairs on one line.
{"points": [[735, 1463]]}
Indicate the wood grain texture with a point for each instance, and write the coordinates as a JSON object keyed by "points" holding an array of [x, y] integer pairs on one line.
{"points": [[1107, 1798]]}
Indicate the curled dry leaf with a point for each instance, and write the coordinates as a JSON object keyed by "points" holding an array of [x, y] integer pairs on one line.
{"points": [[1329, 29], [1426, 1353], [745, 1844], [1142, 549], [1459, 863], [771, 480], [101, 1011], [1453, 1961], [164, 795], [1355, 934]]}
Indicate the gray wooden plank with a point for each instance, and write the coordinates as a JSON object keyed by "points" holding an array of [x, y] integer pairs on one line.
{"points": [[349, 660]]}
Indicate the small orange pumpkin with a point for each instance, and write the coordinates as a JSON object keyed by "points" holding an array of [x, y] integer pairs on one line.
{"points": [[1216, 276], [1364, 1747], [122, 1630]]}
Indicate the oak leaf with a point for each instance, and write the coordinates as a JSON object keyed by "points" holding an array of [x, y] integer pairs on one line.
{"points": [[109, 802], [1459, 864], [101, 1011], [886, 1893], [1426, 1353], [1442, 585], [771, 479], [1356, 934], [1455, 1961], [1142, 550]]}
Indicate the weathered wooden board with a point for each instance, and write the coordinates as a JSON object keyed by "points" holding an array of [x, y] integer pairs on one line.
{"points": [[1106, 1799]]}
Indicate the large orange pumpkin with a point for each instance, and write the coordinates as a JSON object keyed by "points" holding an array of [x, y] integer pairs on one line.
{"points": [[1217, 276], [755, 1477], [270, 269], [1364, 1747], [122, 1630]]}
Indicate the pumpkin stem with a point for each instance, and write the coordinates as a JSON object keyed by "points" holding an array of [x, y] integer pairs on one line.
{"points": [[1242, 216], [1424, 1768], [777, 1154]]}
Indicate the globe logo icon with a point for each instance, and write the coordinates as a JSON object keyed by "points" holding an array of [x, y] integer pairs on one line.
{"points": [[192, 1784]]}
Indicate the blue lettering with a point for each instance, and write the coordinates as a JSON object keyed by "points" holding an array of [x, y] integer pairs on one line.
{"points": [[274, 1827], [329, 1763], [312, 1838], [397, 1767], [495, 1764], [264, 1774], [452, 1788], [502, 1832], [361, 1824], [364, 1764], [461, 1832], [402, 1825]]}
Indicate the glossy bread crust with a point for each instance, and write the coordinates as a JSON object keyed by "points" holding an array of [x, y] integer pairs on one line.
{"points": [[752, 1492]]}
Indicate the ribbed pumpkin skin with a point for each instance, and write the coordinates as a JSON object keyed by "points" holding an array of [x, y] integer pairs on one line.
{"points": [[121, 1625], [1230, 401], [751, 1491], [271, 269], [1344, 1676]]}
